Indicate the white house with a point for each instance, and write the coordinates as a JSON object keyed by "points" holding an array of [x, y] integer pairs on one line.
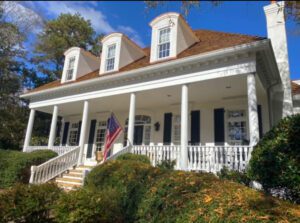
{"points": [[201, 97]]}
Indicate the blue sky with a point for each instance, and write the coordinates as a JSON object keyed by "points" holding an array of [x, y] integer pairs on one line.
{"points": [[133, 19]]}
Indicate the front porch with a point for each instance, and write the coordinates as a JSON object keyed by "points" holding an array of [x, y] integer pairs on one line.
{"points": [[203, 126]]}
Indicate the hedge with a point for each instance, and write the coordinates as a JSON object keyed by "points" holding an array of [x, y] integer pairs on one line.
{"points": [[134, 191], [28, 203], [275, 161], [15, 165]]}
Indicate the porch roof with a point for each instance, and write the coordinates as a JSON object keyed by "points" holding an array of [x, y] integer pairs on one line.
{"points": [[208, 41]]}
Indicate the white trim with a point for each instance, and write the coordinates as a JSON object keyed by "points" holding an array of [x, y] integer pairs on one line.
{"points": [[239, 69], [197, 58]]}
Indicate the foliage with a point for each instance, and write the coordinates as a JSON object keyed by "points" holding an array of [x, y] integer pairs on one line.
{"points": [[275, 161], [24, 203], [151, 194], [234, 175], [167, 164], [89, 206], [15, 166], [128, 177], [133, 157], [133, 191], [59, 35]]}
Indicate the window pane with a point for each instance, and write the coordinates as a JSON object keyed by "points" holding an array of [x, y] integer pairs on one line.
{"points": [[70, 69], [111, 51], [164, 35], [110, 60]]}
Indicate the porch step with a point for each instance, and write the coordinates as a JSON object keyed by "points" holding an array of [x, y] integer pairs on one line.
{"points": [[69, 180], [72, 178]]}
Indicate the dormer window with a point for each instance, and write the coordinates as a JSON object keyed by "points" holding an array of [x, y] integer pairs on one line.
{"points": [[164, 43], [70, 70], [110, 59]]}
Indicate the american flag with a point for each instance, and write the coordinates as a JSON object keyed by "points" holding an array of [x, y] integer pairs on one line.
{"points": [[113, 131]]}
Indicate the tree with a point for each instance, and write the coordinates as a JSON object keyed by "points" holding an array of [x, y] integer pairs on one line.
{"points": [[59, 35], [12, 113]]}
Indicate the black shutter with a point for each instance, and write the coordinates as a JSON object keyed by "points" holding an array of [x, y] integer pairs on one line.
{"points": [[260, 127], [195, 127], [167, 128], [65, 134], [219, 126], [78, 135], [91, 138]]}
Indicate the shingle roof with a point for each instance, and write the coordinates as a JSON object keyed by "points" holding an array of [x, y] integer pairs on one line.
{"points": [[295, 88], [208, 41]]}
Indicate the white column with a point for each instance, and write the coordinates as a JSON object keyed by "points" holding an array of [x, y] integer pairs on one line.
{"points": [[29, 129], [252, 110], [52, 133], [184, 128], [83, 130], [131, 119]]}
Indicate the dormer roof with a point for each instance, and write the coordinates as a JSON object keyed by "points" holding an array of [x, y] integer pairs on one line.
{"points": [[208, 41]]}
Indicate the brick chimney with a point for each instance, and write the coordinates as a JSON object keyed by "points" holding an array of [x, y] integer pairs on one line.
{"points": [[277, 34]]}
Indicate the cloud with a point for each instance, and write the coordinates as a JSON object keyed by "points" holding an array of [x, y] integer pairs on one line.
{"points": [[88, 10], [133, 35], [25, 18]]}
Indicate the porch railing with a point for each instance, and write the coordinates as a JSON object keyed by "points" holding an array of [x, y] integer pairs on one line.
{"points": [[200, 158], [54, 167], [156, 154], [58, 149], [214, 158]]}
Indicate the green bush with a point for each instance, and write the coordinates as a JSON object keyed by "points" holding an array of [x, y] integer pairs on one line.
{"points": [[133, 157], [129, 178], [275, 161], [15, 165], [167, 164], [89, 206], [28, 203], [234, 175]]}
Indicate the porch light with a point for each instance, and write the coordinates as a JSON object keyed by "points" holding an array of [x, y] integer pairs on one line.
{"points": [[156, 126]]}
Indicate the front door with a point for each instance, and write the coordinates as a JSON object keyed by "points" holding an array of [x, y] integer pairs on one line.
{"points": [[138, 134]]}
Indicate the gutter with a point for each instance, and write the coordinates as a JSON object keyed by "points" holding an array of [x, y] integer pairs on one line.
{"points": [[260, 44]]}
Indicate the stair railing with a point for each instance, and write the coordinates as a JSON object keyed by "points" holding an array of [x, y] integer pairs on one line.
{"points": [[54, 167]]}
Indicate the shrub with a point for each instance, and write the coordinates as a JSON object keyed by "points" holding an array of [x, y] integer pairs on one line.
{"points": [[28, 203], [129, 178], [275, 161], [167, 164], [233, 175], [134, 157], [89, 206], [15, 165]]}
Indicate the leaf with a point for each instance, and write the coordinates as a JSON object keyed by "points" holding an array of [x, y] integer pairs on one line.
{"points": [[207, 199]]}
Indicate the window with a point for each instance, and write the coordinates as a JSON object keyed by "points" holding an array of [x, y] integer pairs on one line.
{"points": [[237, 129], [73, 134], [100, 135], [70, 69], [164, 43], [110, 59], [176, 130], [142, 123]]}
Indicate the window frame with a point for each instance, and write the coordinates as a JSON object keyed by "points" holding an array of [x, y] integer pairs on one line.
{"points": [[159, 44], [107, 57], [101, 126], [73, 128], [70, 78]]}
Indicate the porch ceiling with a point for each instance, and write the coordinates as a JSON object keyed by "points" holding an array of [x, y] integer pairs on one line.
{"points": [[200, 92]]}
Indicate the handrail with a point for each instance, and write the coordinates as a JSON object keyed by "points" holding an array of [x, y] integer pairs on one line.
{"points": [[126, 149], [58, 149], [54, 167]]}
